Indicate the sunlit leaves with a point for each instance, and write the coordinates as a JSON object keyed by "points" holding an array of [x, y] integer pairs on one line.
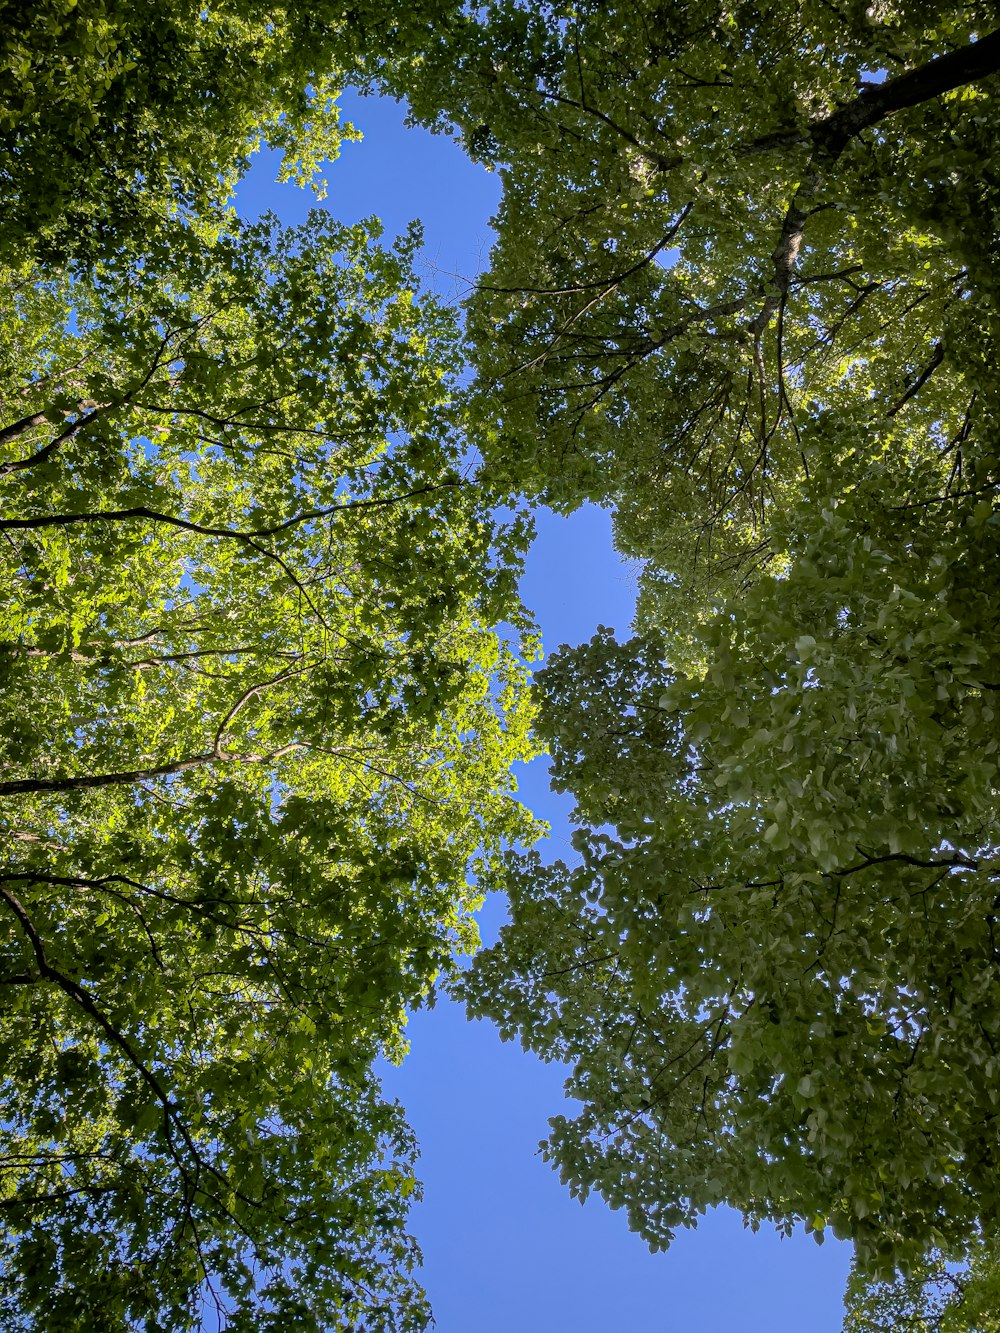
{"points": [[255, 749]]}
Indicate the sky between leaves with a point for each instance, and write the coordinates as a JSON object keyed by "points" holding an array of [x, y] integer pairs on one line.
{"points": [[504, 1245]]}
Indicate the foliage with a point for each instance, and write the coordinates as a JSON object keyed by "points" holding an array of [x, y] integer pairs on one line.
{"points": [[745, 289], [706, 228], [116, 114], [775, 971], [936, 1297], [255, 741]]}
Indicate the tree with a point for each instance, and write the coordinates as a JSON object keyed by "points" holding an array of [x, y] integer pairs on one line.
{"points": [[745, 289], [255, 739], [703, 223], [937, 1297], [116, 115]]}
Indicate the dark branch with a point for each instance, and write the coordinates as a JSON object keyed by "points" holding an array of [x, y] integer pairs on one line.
{"points": [[205, 530]]}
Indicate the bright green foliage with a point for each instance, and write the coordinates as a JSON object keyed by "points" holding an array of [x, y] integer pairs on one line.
{"points": [[745, 289], [936, 1297], [255, 740], [115, 114]]}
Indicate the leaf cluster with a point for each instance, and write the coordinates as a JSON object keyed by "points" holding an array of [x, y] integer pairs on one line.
{"points": [[119, 115]]}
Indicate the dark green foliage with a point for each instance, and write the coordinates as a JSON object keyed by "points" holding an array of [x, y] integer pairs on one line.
{"points": [[745, 290], [117, 116]]}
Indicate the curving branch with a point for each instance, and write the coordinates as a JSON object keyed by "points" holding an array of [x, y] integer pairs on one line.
{"points": [[46, 452], [248, 535], [244, 699], [85, 1001], [831, 135], [173, 1122]]}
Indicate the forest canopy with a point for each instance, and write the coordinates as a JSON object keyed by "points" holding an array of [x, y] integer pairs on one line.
{"points": [[120, 117], [266, 671]]}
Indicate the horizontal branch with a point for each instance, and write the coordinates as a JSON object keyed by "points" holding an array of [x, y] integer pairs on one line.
{"points": [[131, 777], [955, 862], [18, 428], [207, 530], [100, 652], [611, 282], [90, 781]]}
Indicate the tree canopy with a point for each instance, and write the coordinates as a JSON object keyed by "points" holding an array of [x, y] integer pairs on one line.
{"points": [[256, 735], [714, 217], [934, 1297], [116, 115], [745, 290], [258, 721]]}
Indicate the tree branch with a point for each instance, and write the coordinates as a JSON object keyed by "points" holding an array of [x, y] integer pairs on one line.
{"points": [[206, 530], [943, 74], [173, 1122], [18, 428], [86, 781], [245, 698], [937, 356], [831, 135]]}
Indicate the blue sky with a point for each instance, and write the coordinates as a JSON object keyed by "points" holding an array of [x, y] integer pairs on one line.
{"points": [[505, 1247]]}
